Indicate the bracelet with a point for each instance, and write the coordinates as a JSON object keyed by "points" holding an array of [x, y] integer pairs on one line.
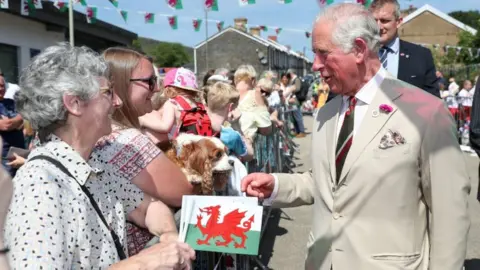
{"points": [[4, 250]]}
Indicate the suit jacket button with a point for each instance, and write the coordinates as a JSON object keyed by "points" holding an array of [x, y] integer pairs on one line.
{"points": [[336, 215]]}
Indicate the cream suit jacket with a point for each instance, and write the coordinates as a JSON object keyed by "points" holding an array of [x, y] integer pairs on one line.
{"points": [[400, 208]]}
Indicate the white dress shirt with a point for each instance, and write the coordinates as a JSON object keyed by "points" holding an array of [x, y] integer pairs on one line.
{"points": [[393, 57], [364, 98], [11, 90]]}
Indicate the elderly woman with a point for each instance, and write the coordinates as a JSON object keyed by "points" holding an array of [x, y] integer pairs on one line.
{"points": [[54, 221]]}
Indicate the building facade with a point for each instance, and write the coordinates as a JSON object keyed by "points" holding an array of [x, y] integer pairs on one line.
{"points": [[23, 37]]}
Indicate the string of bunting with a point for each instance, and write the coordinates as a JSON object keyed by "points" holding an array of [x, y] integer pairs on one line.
{"points": [[457, 49], [91, 13]]}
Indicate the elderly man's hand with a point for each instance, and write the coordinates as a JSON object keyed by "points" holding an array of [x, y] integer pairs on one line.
{"points": [[167, 256]]}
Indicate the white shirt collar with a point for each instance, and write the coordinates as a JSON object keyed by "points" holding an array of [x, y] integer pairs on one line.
{"points": [[394, 45], [368, 91]]}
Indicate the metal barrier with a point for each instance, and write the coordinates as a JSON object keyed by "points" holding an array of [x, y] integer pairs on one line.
{"points": [[273, 153]]}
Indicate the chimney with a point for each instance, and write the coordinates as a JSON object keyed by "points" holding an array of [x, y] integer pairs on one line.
{"points": [[240, 24], [255, 31], [273, 38]]}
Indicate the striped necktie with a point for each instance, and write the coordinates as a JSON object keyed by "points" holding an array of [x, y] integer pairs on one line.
{"points": [[383, 55], [345, 138]]}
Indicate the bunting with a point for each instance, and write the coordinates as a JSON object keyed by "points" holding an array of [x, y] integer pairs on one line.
{"points": [[173, 22], [124, 15], [61, 6], [307, 34], [220, 25], [196, 24], [4, 4], [82, 2], [285, 1], [114, 3], [211, 5], [365, 3], [264, 28], [325, 2], [175, 4], [28, 6], [91, 14], [246, 2], [278, 31], [149, 17]]}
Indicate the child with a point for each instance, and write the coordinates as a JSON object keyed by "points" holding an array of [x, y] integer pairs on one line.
{"points": [[183, 112], [222, 100]]}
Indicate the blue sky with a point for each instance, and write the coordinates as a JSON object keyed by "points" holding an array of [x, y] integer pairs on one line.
{"points": [[294, 18]]}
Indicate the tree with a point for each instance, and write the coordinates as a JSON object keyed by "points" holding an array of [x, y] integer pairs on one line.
{"points": [[170, 55], [470, 18], [137, 45]]}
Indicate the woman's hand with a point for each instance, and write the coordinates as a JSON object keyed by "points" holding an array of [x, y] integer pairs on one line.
{"points": [[16, 162], [168, 255]]}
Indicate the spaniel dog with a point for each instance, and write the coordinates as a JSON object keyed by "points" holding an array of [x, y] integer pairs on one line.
{"points": [[204, 161]]}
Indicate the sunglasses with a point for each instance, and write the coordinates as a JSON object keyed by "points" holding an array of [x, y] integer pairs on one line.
{"points": [[152, 81], [265, 93]]}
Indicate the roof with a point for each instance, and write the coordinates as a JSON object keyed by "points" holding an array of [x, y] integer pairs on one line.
{"points": [[442, 15], [261, 40]]}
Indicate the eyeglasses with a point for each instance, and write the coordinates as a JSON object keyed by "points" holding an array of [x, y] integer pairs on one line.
{"points": [[152, 81], [108, 90]]}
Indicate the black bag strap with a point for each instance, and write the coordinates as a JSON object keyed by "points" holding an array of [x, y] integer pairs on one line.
{"points": [[85, 190]]}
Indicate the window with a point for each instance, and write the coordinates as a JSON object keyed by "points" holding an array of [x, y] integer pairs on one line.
{"points": [[33, 53], [9, 63]]}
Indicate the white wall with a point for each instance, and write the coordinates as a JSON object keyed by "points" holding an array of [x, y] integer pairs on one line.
{"points": [[26, 34]]}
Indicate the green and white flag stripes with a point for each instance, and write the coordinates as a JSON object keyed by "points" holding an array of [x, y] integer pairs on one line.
{"points": [[246, 2], [221, 224], [4, 4]]}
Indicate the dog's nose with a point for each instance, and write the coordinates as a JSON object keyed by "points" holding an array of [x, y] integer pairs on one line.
{"points": [[231, 162]]}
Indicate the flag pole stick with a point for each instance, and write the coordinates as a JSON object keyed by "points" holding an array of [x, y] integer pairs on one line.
{"points": [[70, 22], [206, 39]]}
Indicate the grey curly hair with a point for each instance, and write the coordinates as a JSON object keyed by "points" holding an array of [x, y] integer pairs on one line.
{"points": [[58, 70]]}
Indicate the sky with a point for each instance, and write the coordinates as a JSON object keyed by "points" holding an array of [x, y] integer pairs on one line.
{"points": [[294, 18]]}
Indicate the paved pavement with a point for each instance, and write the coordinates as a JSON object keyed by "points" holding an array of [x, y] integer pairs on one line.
{"points": [[284, 244]]}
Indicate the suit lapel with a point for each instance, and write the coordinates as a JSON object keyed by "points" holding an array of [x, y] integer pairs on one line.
{"points": [[402, 62], [331, 136], [372, 123]]}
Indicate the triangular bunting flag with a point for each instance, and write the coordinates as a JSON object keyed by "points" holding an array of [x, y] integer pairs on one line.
{"points": [[149, 17], [4, 4], [211, 5], [173, 22], [307, 34], [175, 4], [285, 1], [365, 3], [196, 24], [124, 14], [62, 6], [83, 2], [246, 2], [114, 3], [29, 6], [278, 31], [91, 14], [325, 2], [220, 26], [264, 28]]}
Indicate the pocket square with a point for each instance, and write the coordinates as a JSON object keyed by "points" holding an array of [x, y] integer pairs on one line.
{"points": [[391, 139]]}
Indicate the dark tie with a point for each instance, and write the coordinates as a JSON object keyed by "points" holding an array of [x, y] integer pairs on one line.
{"points": [[382, 54], [345, 138]]}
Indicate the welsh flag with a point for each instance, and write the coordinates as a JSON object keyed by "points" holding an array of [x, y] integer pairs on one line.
{"points": [[196, 24], [325, 2], [263, 28], [211, 5], [29, 6], [285, 1], [173, 22], [246, 2], [62, 6], [308, 34], [124, 14], [114, 3], [4, 4], [175, 4], [83, 2], [91, 14], [220, 25], [222, 224], [278, 31], [149, 17], [365, 3]]}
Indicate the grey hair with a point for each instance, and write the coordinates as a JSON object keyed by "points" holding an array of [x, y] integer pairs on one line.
{"points": [[351, 21], [58, 70], [376, 4]]}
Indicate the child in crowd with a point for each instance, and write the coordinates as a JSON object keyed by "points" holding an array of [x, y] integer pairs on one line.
{"points": [[222, 99], [183, 112], [465, 97]]}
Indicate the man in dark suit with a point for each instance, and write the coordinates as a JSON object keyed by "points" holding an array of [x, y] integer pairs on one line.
{"points": [[404, 60], [475, 126]]}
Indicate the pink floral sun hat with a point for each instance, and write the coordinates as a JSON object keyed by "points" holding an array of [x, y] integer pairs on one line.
{"points": [[182, 78]]}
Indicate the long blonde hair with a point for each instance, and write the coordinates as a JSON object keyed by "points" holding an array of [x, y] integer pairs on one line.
{"points": [[122, 63]]}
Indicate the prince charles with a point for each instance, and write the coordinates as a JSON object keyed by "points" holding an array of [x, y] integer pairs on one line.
{"points": [[389, 183]]}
